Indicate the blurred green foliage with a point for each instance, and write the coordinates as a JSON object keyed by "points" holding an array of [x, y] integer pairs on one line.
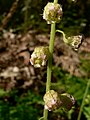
{"points": [[76, 15], [14, 107], [85, 65]]}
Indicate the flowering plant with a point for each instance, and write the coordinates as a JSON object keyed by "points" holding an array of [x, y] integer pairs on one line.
{"points": [[52, 14]]}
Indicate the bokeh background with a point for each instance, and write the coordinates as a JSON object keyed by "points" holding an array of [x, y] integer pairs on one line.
{"points": [[22, 86]]}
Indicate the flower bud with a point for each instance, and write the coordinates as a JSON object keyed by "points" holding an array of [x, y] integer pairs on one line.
{"points": [[40, 56], [67, 100], [52, 100], [75, 41], [52, 13]]}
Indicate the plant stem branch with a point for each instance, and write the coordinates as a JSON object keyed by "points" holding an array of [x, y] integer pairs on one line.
{"points": [[64, 37], [55, 1], [82, 105]]}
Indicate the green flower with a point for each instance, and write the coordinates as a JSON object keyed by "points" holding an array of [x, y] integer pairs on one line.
{"points": [[52, 13], [75, 41], [52, 100], [40, 56]]}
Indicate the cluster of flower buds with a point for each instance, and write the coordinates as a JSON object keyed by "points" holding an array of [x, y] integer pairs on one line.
{"points": [[52, 13], [54, 101], [75, 41], [40, 56]]}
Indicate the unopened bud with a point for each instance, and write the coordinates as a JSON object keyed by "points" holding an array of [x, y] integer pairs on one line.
{"points": [[67, 100], [40, 56], [52, 13], [52, 100]]}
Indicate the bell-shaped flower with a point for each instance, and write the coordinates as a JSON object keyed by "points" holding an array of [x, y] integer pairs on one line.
{"points": [[40, 56]]}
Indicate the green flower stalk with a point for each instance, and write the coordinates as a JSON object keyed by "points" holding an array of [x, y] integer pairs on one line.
{"points": [[40, 56], [49, 66], [52, 14], [83, 101]]}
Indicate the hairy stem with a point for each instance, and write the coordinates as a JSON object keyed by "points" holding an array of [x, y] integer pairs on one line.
{"points": [[82, 105], [49, 67]]}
